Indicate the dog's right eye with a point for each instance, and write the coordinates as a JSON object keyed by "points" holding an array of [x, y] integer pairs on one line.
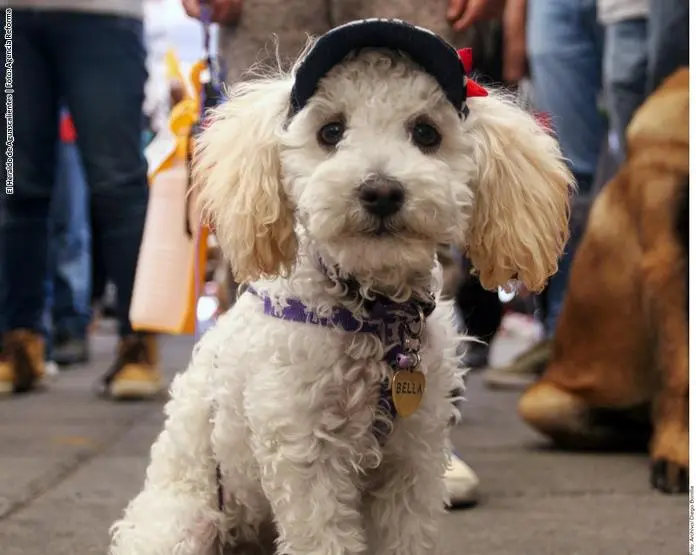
{"points": [[331, 134], [426, 137]]}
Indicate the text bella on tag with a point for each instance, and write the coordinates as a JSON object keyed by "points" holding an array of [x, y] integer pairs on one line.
{"points": [[408, 386]]}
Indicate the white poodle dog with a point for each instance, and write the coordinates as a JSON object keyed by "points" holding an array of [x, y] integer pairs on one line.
{"points": [[329, 189]]}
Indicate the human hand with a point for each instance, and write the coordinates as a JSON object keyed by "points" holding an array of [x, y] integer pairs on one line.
{"points": [[224, 12], [464, 13]]}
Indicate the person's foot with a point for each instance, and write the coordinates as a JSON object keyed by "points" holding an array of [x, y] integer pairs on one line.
{"points": [[51, 369], [523, 371], [135, 373], [22, 365], [69, 349], [461, 483]]}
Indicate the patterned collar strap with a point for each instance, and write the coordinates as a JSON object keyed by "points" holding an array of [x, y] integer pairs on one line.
{"points": [[394, 323]]}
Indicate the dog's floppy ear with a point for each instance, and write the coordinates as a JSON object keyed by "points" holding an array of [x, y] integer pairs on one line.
{"points": [[238, 177], [519, 224]]}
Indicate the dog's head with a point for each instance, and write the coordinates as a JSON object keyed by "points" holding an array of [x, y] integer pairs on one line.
{"points": [[377, 164]]}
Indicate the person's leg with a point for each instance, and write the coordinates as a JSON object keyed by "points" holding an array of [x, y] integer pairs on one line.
{"points": [[431, 15], [24, 215], [556, 288], [70, 245], [668, 40], [482, 313], [565, 45], [104, 82], [99, 281], [625, 73], [251, 40]]}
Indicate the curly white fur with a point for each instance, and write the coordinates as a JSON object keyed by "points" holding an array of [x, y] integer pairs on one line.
{"points": [[287, 410]]}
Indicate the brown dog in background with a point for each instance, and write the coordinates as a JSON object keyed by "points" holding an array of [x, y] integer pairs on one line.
{"points": [[621, 348]]}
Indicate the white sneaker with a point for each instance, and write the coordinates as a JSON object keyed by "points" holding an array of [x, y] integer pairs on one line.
{"points": [[516, 335], [51, 369], [461, 483]]}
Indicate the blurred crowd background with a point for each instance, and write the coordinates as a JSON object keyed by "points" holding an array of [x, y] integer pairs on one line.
{"points": [[98, 83]]}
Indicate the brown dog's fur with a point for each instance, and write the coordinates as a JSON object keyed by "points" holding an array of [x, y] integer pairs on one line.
{"points": [[622, 338]]}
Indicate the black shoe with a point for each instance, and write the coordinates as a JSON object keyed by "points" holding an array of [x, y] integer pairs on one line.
{"points": [[69, 350]]}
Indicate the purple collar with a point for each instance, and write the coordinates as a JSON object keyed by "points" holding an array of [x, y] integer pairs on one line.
{"points": [[392, 322], [398, 326]]}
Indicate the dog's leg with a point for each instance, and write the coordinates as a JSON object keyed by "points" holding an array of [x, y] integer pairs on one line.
{"points": [[309, 473], [315, 501], [665, 269], [176, 512], [403, 516]]}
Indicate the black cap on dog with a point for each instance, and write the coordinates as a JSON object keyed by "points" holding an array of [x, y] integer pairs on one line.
{"points": [[424, 47]]}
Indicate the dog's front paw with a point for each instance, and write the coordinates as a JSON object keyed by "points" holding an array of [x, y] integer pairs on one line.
{"points": [[668, 476]]}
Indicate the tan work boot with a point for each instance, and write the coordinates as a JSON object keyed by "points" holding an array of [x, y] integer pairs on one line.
{"points": [[22, 365], [135, 374]]}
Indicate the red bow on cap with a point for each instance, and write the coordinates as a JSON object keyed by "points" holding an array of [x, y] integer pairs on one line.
{"points": [[472, 87]]}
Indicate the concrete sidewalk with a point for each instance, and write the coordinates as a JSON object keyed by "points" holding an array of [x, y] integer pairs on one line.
{"points": [[69, 462]]}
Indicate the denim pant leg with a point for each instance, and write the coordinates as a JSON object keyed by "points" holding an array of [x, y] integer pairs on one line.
{"points": [[565, 45], [103, 68], [556, 288], [625, 73], [24, 215], [668, 39], [70, 246]]}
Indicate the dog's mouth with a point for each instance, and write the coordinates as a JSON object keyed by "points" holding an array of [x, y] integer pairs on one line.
{"points": [[384, 227], [382, 230], [391, 229]]}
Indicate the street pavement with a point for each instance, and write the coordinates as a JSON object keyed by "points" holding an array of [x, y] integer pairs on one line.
{"points": [[69, 463]]}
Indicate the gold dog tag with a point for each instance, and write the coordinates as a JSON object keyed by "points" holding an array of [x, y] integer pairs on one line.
{"points": [[407, 389]]}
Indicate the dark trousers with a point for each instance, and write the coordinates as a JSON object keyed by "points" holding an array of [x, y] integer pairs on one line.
{"points": [[480, 309], [96, 65]]}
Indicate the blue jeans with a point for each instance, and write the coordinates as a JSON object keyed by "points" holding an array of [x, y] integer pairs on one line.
{"points": [[96, 64], [625, 73], [70, 251], [640, 54], [565, 45]]}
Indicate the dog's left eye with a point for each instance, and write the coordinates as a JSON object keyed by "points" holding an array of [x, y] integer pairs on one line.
{"points": [[425, 136], [332, 133]]}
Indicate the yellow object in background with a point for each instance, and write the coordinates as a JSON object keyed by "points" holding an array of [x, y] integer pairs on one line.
{"points": [[174, 243]]}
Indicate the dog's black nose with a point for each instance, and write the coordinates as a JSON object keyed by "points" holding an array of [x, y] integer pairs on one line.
{"points": [[381, 196]]}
